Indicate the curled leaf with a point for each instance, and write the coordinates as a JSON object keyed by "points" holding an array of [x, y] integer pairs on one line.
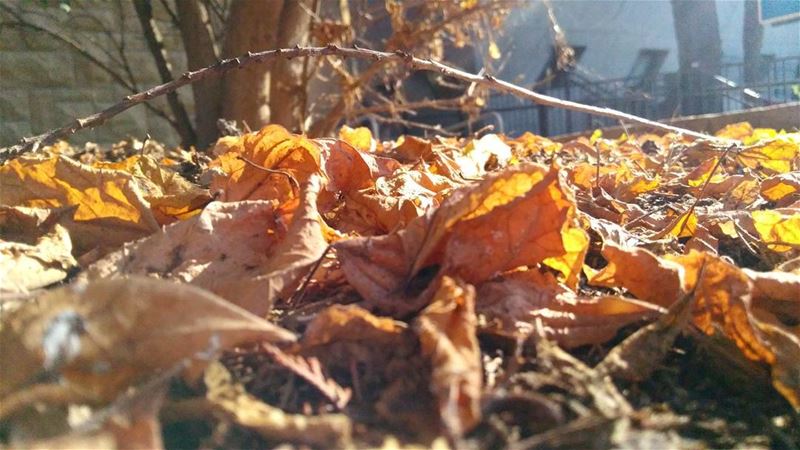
{"points": [[105, 335], [446, 330]]}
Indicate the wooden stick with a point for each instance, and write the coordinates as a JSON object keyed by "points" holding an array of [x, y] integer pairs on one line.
{"points": [[33, 143]]}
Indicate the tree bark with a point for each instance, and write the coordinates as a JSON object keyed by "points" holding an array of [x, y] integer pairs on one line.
{"points": [[289, 86], [155, 43], [699, 55], [752, 38], [250, 26], [200, 52]]}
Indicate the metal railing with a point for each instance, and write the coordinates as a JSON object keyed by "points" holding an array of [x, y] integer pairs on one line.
{"points": [[663, 96]]}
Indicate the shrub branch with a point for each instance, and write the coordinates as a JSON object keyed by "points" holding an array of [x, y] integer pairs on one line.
{"points": [[34, 143]]}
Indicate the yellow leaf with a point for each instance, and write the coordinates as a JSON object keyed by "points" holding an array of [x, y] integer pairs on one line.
{"points": [[111, 208], [701, 174], [780, 155], [783, 188], [738, 131], [360, 138], [494, 51], [596, 135], [779, 231], [288, 158]]}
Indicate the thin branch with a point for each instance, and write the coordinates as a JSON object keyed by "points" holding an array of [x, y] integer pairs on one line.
{"points": [[35, 142], [144, 10], [292, 180], [412, 124]]}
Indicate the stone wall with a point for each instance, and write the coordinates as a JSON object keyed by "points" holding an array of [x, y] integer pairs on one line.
{"points": [[44, 83]]}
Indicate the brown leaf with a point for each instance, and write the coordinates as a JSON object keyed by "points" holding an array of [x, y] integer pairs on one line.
{"points": [[513, 303], [105, 335], [242, 251], [645, 275], [24, 267], [349, 169], [518, 217], [537, 227], [342, 323], [394, 201], [446, 330]]}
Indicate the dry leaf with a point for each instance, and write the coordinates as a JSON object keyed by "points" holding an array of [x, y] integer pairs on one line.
{"points": [[111, 208], [232, 400], [340, 323], [242, 251], [446, 330], [512, 304], [360, 138], [639, 354], [779, 230], [642, 273], [24, 267], [783, 189], [170, 195], [105, 335], [288, 159], [780, 155]]}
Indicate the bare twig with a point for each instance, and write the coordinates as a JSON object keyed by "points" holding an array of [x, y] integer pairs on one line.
{"points": [[144, 10], [28, 144], [292, 180]]}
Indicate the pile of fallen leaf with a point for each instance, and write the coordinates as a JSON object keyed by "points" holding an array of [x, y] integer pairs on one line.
{"points": [[486, 292]]}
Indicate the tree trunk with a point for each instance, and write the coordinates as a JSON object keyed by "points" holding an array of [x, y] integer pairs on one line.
{"points": [[289, 84], [752, 37], [699, 55], [155, 43], [200, 52], [250, 26]]}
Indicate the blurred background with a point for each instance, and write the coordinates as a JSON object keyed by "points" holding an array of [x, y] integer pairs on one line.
{"points": [[659, 59]]}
